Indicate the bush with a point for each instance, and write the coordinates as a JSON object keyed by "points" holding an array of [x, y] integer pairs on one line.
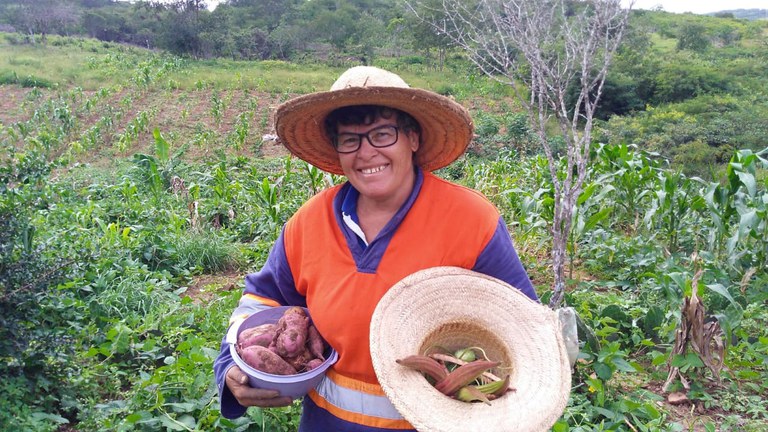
{"points": [[36, 344], [699, 159]]}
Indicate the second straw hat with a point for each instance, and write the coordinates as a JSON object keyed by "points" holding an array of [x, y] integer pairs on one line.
{"points": [[446, 126], [448, 308]]}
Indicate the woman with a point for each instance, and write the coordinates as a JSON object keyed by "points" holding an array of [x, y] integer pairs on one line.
{"points": [[347, 245]]}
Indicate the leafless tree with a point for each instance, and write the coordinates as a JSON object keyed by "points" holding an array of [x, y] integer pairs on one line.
{"points": [[555, 54]]}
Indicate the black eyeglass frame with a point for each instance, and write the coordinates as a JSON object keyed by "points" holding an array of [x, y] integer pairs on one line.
{"points": [[366, 135]]}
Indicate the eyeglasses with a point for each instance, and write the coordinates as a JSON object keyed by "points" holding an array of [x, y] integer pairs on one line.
{"points": [[382, 136]]}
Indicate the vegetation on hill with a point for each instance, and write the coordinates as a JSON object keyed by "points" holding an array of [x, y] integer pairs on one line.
{"points": [[137, 187]]}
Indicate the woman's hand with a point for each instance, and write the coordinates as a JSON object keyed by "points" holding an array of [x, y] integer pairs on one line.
{"points": [[237, 381]]}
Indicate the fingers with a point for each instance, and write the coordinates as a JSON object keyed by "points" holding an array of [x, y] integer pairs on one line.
{"points": [[237, 381], [236, 376]]}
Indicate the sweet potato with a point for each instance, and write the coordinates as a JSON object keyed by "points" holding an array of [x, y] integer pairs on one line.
{"points": [[291, 337], [291, 342], [260, 335], [313, 364], [300, 362], [261, 358], [315, 342]]}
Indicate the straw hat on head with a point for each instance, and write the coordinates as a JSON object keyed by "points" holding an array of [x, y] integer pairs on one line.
{"points": [[448, 308], [446, 127]]}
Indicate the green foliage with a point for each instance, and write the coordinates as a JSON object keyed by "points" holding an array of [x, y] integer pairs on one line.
{"points": [[692, 37], [36, 342], [26, 81], [104, 323]]}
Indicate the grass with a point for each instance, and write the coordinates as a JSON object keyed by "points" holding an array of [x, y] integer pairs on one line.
{"points": [[61, 60], [206, 251], [92, 65]]}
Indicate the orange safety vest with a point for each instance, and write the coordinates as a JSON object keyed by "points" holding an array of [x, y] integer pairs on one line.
{"points": [[448, 225]]}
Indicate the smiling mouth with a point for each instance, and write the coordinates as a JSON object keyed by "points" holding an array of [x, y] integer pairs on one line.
{"points": [[373, 170]]}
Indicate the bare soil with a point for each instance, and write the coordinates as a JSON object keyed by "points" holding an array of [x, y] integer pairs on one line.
{"points": [[203, 288]]}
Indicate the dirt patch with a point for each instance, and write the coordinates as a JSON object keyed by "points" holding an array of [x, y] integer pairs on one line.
{"points": [[693, 415], [12, 104], [203, 288]]}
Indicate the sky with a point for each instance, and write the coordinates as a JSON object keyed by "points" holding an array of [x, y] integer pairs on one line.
{"points": [[699, 6]]}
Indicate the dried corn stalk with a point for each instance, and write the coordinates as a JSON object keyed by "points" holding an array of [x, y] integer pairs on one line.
{"points": [[704, 339]]}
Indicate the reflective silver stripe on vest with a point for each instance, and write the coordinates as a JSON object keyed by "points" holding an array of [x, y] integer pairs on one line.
{"points": [[357, 402]]}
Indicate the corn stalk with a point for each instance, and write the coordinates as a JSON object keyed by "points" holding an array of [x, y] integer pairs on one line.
{"points": [[705, 339]]}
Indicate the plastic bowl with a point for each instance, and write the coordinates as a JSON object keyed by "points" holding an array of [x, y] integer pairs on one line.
{"points": [[294, 386]]}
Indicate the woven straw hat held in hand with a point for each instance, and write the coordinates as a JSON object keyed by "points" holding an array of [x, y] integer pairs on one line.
{"points": [[449, 308]]}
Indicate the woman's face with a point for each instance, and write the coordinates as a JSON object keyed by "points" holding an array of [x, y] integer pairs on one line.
{"points": [[382, 174]]}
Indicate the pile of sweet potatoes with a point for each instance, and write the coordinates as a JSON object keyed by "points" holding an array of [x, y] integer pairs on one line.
{"points": [[292, 345]]}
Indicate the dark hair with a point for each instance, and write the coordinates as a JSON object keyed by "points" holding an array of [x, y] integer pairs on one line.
{"points": [[365, 115]]}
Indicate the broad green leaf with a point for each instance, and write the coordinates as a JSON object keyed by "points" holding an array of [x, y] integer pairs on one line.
{"points": [[188, 421], [731, 243], [51, 417], [611, 415], [597, 218], [678, 361], [133, 418], [749, 181], [693, 360], [722, 290], [181, 406], [603, 371], [161, 146], [172, 424], [586, 193], [747, 222], [623, 365], [651, 410]]}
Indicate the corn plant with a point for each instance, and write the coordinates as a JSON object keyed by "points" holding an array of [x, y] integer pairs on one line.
{"points": [[156, 170], [741, 204], [632, 175], [588, 214], [134, 128], [676, 200], [241, 129], [217, 108], [267, 194]]}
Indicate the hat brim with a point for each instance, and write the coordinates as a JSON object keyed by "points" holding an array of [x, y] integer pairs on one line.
{"points": [[446, 126], [452, 308]]}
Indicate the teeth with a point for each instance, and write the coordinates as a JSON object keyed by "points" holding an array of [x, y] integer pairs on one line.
{"points": [[373, 170]]}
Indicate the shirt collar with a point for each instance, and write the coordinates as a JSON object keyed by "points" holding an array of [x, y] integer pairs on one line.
{"points": [[348, 207]]}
